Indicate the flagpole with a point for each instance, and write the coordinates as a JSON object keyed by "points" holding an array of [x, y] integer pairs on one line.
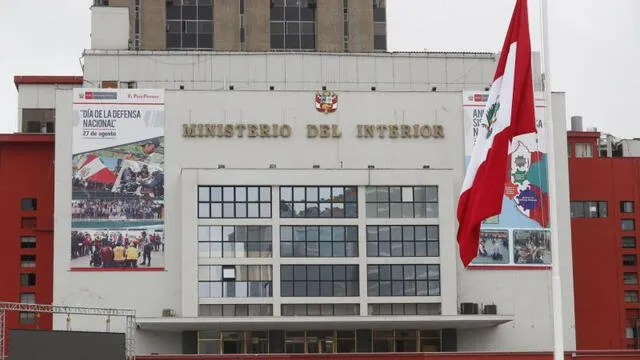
{"points": [[556, 283]]}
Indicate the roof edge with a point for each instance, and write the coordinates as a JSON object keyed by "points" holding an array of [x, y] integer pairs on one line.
{"points": [[47, 80]]}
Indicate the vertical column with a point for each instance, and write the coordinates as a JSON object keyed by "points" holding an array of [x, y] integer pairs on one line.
{"points": [[360, 26], [330, 26], [189, 242], [275, 223], [362, 249], [153, 25], [226, 25], [257, 15], [132, 14], [448, 250]]}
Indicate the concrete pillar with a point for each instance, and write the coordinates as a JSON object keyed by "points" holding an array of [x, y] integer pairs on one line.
{"points": [[330, 26], [226, 25], [257, 25], [360, 26], [153, 25], [131, 4]]}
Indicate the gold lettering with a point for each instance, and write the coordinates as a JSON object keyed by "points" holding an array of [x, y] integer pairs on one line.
{"points": [[368, 131], [240, 129], [211, 130], [335, 131], [188, 130], [324, 131], [274, 130], [425, 131], [253, 130], [438, 131], [416, 131], [359, 130], [264, 130], [285, 131], [382, 130], [393, 131], [228, 130], [200, 130], [312, 131], [406, 131], [219, 130]]}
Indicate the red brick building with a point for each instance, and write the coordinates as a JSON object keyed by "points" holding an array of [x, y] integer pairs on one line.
{"points": [[605, 189]]}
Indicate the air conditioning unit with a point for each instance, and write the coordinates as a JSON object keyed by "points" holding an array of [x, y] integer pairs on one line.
{"points": [[467, 308], [168, 313], [490, 310]]}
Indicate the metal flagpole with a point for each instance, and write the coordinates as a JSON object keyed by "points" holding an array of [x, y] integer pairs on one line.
{"points": [[556, 283]]}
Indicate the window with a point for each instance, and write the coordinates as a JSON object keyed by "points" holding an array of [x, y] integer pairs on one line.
{"points": [[243, 46], [27, 242], [27, 261], [27, 298], [402, 202], [28, 223], [293, 25], [232, 310], [405, 309], [320, 309], [27, 279], [189, 25], [318, 241], [626, 207], [379, 25], [128, 84], [215, 202], [629, 242], [234, 241], [27, 318], [630, 278], [239, 281], [319, 280], [583, 150], [588, 209], [29, 204], [627, 224], [629, 260], [403, 280], [319, 202], [630, 333], [404, 241], [631, 296]]}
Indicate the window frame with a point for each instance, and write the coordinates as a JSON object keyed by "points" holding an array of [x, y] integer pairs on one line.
{"points": [[262, 205], [623, 208], [29, 204], [291, 244], [387, 204], [289, 205], [394, 280], [217, 247], [307, 284], [402, 241]]}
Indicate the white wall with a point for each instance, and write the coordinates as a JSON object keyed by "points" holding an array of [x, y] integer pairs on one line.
{"points": [[37, 96], [146, 292], [291, 71], [193, 161], [109, 27]]}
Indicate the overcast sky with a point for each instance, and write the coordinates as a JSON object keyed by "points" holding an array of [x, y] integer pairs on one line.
{"points": [[595, 46]]}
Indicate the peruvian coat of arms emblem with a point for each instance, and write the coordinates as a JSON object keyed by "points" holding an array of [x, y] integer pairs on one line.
{"points": [[326, 102]]}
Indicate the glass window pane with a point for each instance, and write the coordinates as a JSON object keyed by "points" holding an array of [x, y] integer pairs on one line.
{"points": [[203, 210], [216, 193], [203, 193], [216, 210], [253, 210], [265, 210]]}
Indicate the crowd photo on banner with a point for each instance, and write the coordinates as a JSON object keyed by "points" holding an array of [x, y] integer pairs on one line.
{"points": [[117, 207]]}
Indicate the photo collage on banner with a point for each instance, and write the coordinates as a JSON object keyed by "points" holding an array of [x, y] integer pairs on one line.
{"points": [[520, 234], [117, 199]]}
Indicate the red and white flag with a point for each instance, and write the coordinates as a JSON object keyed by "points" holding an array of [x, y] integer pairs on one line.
{"points": [[509, 112], [93, 169]]}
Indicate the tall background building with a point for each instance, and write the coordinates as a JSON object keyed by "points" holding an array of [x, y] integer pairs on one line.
{"points": [[256, 25]]}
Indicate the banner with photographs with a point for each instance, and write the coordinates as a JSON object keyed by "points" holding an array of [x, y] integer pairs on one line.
{"points": [[525, 206], [117, 201]]}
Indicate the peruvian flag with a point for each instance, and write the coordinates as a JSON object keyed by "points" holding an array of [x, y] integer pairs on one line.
{"points": [[94, 170], [509, 112]]}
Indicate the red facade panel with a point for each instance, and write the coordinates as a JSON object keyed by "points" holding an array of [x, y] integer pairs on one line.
{"points": [[26, 172], [598, 270]]}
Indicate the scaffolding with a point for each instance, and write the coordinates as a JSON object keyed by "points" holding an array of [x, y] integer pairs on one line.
{"points": [[128, 314]]}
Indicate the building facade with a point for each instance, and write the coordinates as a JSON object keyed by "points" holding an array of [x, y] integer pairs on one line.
{"points": [[255, 25], [603, 183], [27, 258], [296, 222]]}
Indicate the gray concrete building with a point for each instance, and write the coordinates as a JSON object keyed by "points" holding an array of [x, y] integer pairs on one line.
{"points": [[256, 25]]}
